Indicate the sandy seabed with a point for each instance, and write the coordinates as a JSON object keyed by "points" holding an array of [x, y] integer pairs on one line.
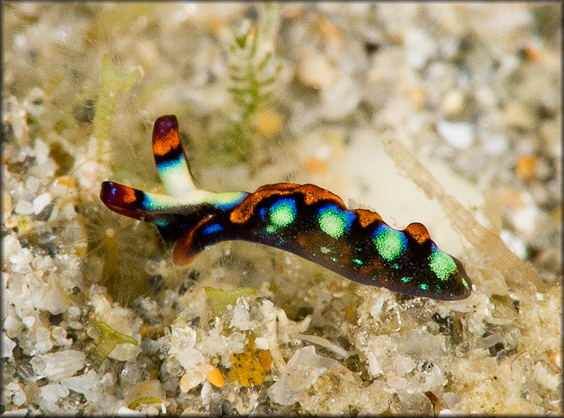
{"points": [[444, 114]]}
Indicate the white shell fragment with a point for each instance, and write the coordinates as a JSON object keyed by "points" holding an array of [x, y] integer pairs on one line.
{"points": [[59, 365], [301, 372]]}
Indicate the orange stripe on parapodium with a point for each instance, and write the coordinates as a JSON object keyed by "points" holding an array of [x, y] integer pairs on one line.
{"points": [[185, 249], [247, 207], [367, 217], [418, 232], [127, 195], [166, 142], [314, 194], [310, 193]]}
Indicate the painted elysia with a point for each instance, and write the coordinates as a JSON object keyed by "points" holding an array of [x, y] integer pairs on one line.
{"points": [[303, 219]]}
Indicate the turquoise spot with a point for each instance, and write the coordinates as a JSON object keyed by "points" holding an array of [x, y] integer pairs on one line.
{"points": [[442, 264], [406, 279], [357, 261], [334, 259], [171, 164], [282, 213], [334, 221], [150, 203], [423, 286], [161, 223], [389, 242], [212, 228]]}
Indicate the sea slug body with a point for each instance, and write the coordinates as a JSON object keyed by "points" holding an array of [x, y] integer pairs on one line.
{"points": [[302, 219]]}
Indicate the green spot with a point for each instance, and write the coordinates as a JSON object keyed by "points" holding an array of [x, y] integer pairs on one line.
{"points": [[465, 284], [334, 221], [395, 266], [423, 286], [389, 242], [282, 213], [325, 250], [334, 259], [357, 261], [146, 400], [406, 279], [110, 338], [442, 264]]}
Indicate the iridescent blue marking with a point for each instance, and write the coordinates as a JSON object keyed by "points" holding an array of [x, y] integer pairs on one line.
{"points": [[229, 205], [168, 164], [210, 229], [282, 213], [334, 221], [262, 213], [389, 242], [441, 264], [149, 203]]}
